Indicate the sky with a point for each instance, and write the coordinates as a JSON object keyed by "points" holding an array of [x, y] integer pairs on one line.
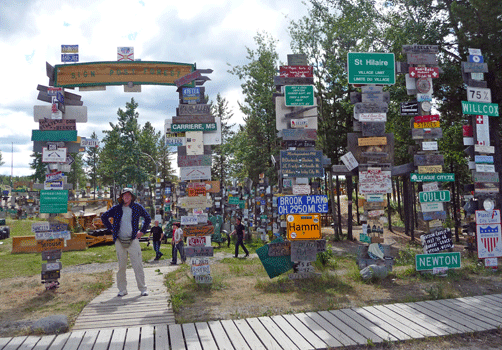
{"points": [[213, 34]]}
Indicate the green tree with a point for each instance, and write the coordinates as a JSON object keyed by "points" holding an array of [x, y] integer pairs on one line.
{"points": [[91, 162], [39, 167], [259, 110], [77, 175], [221, 168]]}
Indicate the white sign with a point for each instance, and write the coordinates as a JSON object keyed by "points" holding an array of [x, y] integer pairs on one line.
{"points": [[195, 173], [349, 160], [194, 202], [475, 52], [40, 227], [189, 220], [201, 270], [491, 262], [54, 185], [300, 123], [89, 142], [484, 149], [54, 176], [429, 146], [194, 143], [374, 180], [79, 113], [55, 156], [301, 189], [199, 261], [374, 198], [485, 168], [430, 186], [484, 217], [432, 206], [372, 117], [489, 241], [125, 53], [202, 218], [475, 94], [482, 130], [52, 235], [199, 241], [281, 122]]}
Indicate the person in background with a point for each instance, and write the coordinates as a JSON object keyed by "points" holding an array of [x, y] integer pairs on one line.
{"points": [[126, 235], [157, 233], [239, 230], [178, 244]]}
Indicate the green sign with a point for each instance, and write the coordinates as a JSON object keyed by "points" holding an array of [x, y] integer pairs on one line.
{"points": [[440, 177], [53, 201], [242, 204], [274, 265], [430, 261], [233, 200], [54, 135], [480, 108], [263, 217], [364, 238], [193, 127], [371, 68], [299, 95], [434, 196]]}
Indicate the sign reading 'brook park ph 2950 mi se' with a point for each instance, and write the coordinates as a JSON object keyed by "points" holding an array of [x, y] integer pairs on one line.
{"points": [[120, 73]]}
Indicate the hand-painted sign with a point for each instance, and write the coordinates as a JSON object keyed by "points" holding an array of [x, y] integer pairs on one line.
{"points": [[349, 160], [299, 95], [371, 68], [428, 159], [429, 261], [371, 107], [429, 177], [194, 202], [120, 73], [56, 124], [206, 230], [429, 146], [375, 181], [303, 226], [421, 58], [296, 71], [302, 204], [435, 196], [297, 143], [295, 163], [489, 241], [437, 241], [301, 189], [371, 141], [372, 117], [479, 108], [279, 249], [409, 108], [188, 78], [303, 250]]}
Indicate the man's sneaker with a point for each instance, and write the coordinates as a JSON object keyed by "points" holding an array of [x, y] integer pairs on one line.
{"points": [[144, 293], [121, 294]]}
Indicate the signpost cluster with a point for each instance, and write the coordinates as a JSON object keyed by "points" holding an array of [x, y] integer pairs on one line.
{"points": [[371, 150], [477, 136], [192, 131]]}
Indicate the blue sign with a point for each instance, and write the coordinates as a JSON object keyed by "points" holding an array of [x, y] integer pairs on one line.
{"points": [[476, 58], [296, 163], [67, 57], [191, 94], [302, 204], [60, 97]]}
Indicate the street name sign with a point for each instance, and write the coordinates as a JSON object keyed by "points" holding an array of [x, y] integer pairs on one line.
{"points": [[371, 68], [193, 127], [302, 204], [479, 108], [426, 262]]}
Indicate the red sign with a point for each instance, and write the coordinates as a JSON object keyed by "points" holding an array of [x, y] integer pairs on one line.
{"points": [[187, 78], [467, 131], [424, 72], [196, 241], [426, 118], [296, 71]]}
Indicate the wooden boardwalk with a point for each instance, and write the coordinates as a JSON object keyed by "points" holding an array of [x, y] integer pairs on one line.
{"points": [[311, 330], [110, 311]]}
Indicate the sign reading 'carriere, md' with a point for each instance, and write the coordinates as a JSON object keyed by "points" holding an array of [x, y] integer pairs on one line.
{"points": [[371, 68], [302, 204]]}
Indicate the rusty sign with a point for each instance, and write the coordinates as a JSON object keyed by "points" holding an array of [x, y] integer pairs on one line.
{"points": [[57, 124], [372, 141], [205, 230]]}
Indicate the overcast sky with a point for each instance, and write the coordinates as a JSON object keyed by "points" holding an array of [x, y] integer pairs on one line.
{"points": [[209, 33]]}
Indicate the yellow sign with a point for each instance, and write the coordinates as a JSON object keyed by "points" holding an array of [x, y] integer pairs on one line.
{"points": [[372, 141], [425, 125], [430, 169], [304, 226], [120, 73]]}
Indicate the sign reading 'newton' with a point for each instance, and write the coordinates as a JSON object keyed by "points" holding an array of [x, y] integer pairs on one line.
{"points": [[120, 73]]}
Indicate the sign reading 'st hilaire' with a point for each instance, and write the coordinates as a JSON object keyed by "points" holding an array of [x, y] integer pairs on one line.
{"points": [[302, 204]]}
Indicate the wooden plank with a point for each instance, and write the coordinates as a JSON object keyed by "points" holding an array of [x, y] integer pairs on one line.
{"points": [[426, 321], [234, 335], [103, 339], [14, 343], [29, 343], [147, 338], [44, 342], [383, 324], [265, 337], [191, 338], [132, 338], [304, 331], [408, 323], [362, 325], [318, 330], [278, 334], [161, 337], [89, 339], [331, 328], [74, 340], [402, 327], [176, 337], [205, 336], [477, 312], [118, 339], [348, 326], [4, 341], [219, 335], [248, 335], [292, 333], [484, 304], [460, 316], [440, 316], [494, 297]]}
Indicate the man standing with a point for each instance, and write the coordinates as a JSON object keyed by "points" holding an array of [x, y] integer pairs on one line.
{"points": [[126, 235], [158, 234], [178, 244], [239, 230]]}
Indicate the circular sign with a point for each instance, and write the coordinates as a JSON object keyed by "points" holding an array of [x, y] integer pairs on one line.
{"points": [[293, 235], [423, 85], [291, 218], [488, 204], [426, 106], [476, 59]]}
